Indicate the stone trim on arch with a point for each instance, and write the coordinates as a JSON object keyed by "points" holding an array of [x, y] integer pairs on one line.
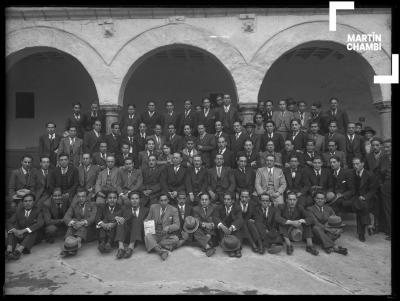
{"points": [[133, 52], [289, 38]]}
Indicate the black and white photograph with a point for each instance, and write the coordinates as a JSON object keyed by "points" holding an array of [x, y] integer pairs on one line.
{"points": [[199, 150]]}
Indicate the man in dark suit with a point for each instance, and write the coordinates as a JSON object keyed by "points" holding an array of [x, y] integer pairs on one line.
{"points": [[339, 116], [333, 152], [196, 180], [151, 117], [131, 139], [114, 139], [229, 157], [245, 177], [72, 146], [318, 138], [99, 158], [255, 138], [53, 215], [364, 195], [108, 179], [205, 144], [130, 227], [269, 110], [120, 158], [282, 119], [228, 114], [131, 180], [184, 209], [290, 151], [42, 175], [143, 156], [106, 222], [384, 174], [219, 132], [231, 221], [354, 144], [237, 139], [22, 228], [297, 136], [170, 116], [302, 115], [66, 177], [310, 153], [93, 138], [151, 187], [336, 136], [220, 180], [141, 137], [94, 114], [159, 139], [253, 157], [290, 216], [174, 140], [318, 116], [78, 218], [77, 120], [189, 116], [173, 178], [373, 158], [48, 143], [271, 135], [207, 116], [129, 118]]}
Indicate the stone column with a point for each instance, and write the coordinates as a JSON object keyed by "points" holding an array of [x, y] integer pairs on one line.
{"points": [[247, 112], [111, 113], [385, 112]]}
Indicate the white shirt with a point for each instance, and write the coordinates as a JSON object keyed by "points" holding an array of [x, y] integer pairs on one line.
{"points": [[187, 112], [137, 211], [64, 170], [270, 170], [270, 135], [337, 171], [219, 170], [351, 137], [111, 209], [182, 209], [71, 140], [97, 134], [176, 168], [27, 212], [226, 108], [44, 172], [244, 207], [24, 171], [223, 151], [52, 136], [238, 135], [151, 113], [206, 112], [317, 172]]}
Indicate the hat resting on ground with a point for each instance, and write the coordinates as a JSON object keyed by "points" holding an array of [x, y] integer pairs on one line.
{"points": [[295, 234], [335, 221], [230, 243], [70, 244], [191, 224]]}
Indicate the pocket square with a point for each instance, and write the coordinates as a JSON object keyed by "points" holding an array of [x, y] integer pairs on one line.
{"points": [[343, 182]]}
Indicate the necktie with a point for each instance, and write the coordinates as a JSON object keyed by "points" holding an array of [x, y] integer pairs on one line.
{"points": [[301, 117], [219, 172], [111, 210], [108, 180], [322, 210], [351, 138], [135, 213], [27, 178], [336, 173], [318, 177], [269, 172], [290, 212], [266, 213], [176, 169], [162, 213], [45, 177], [84, 176], [197, 170], [83, 210], [293, 174], [182, 212], [205, 211], [60, 212], [244, 208], [237, 136], [227, 211]]}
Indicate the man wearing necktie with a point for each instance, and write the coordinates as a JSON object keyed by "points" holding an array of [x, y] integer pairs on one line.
{"points": [[49, 142], [220, 180], [196, 180], [76, 120], [337, 115], [108, 179], [354, 144], [42, 176], [72, 145], [53, 214], [173, 178], [78, 218]]}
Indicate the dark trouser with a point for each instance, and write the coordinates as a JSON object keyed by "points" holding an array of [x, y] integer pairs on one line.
{"points": [[361, 208], [200, 236], [386, 196], [341, 205], [107, 236], [268, 236], [27, 240], [284, 231], [130, 231], [52, 231], [238, 234], [322, 237], [81, 232], [249, 232]]}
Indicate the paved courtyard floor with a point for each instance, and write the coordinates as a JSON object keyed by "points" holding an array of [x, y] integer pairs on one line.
{"points": [[365, 270]]}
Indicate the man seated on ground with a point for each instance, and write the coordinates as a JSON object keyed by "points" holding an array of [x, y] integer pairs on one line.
{"points": [[53, 215], [292, 218], [78, 218], [231, 222], [184, 210], [23, 228], [151, 186], [166, 222], [267, 227], [106, 221], [131, 180], [326, 233], [130, 229], [108, 178], [208, 217]]}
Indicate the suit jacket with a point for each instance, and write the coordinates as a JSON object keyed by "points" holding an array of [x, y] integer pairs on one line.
{"points": [[143, 158], [282, 123], [278, 140], [42, 183], [190, 119], [46, 147], [233, 218], [305, 122], [286, 156], [299, 142], [299, 183], [91, 176], [343, 183], [307, 157], [342, 155], [196, 183], [91, 142], [116, 180], [124, 121], [18, 220], [323, 122], [140, 142], [368, 185], [229, 158], [251, 212], [384, 174], [177, 143], [226, 136], [98, 160], [371, 162], [262, 179], [113, 144], [151, 121], [89, 121], [208, 145], [263, 159], [132, 183], [18, 181], [212, 215], [325, 179], [282, 215], [182, 215], [170, 219], [167, 119], [188, 158], [158, 145], [127, 214], [227, 180], [104, 214], [341, 118], [237, 144], [269, 221], [208, 121], [119, 159], [244, 181], [354, 149], [254, 156], [228, 118], [79, 124], [340, 141], [320, 216], [256, 139], [75, 213], [319, 142], [50, 213], [171, 181], [72, 180], [74, 152], [151, 179]]}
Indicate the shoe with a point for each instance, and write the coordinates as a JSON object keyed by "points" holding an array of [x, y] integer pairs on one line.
{"points": [[311, 250], [261, 250], [238, 253], [26, 251], [8, 255], [361, 237], [107, 248], [255, 249], [210, 252], [164, 255], [340, 250], [50, 240], [370, 231], [101, 247], [128, 252], [232, 254], [328, 250], [15, 255], [120, 253], [289, 250]]}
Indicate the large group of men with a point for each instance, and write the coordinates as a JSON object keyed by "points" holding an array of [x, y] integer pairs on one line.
{"points": [[204, 178]]}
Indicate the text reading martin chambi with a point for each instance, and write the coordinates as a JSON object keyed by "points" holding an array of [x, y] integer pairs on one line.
{"points": [[364, 42]]}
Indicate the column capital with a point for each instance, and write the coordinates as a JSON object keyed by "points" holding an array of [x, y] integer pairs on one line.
{"points": [[383, 106], [111, 109], [247, 111]]}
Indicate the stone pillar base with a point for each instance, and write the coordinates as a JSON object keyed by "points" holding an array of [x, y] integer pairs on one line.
{"points": [[385, 112], [247, 112], [111, 113]]}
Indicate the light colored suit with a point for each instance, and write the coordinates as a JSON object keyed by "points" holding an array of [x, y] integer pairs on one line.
{"points": [[102, 181], [279, 183], [74, 152], [170, 223], [319, 142], [305, 121], [282, 123], [161, 141]]}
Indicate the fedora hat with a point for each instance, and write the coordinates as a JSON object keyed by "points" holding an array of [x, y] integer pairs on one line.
{"points": [[335, 221], [368, 129], [20, 193], [70, 244], [295, 234], [230, 243], [274, 249], [191, 224]]}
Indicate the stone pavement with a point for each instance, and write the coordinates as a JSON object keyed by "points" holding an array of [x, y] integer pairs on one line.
{"points": [[365, 270]]}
